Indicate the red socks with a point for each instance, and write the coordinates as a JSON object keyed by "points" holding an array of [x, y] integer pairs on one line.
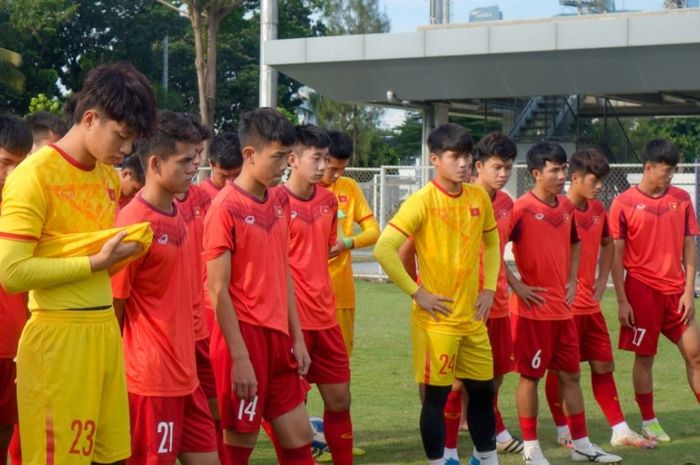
{"points": [[15, 448], [605, 393], [646, 405], [697, 396], [337, 428], [3, 455], [234, 455], [577, 425], [299, 456], [453, 415], [553, 398], [500, 426], [528, 426]]}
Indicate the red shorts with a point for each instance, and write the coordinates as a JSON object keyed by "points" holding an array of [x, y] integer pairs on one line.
{"points": [[279, 384], [163, 427], [501, 345], [544, 344], [593, 337], [329, 357], [654, 313], [8, 392], [205, 372]]}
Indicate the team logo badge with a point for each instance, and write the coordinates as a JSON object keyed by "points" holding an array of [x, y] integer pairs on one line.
{"points": [[342, 198], [567, 217], [197, 212], [539, 216], [324, 209], [279, 212], [673, 205], [250, 219], [163, 240], [596, 219], [294, 214], [475, 212], [641, 206]]}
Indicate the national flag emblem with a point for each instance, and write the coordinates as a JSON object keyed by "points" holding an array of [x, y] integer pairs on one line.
{"points": [[324, 209], [279, 213], [112, 195], [475, 212], [342, 198]]}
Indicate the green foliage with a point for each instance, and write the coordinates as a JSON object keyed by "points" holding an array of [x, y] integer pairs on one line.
{"points": [[10, 75], [684, 132], [289, 115], [42, 103]]}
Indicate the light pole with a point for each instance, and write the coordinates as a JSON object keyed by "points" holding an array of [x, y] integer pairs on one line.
{"points": [[268, 31]]}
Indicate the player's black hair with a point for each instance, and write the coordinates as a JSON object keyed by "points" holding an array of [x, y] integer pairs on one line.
{"points": [[225, 151], [309, 135], [41, 122], [341, 145], [495, 144], [133, 164], [171, 128], [263, 126], [588, 161], [122, 93], [543, 152], [15, 136], [450, 137], [204, 132], [661, 151]]}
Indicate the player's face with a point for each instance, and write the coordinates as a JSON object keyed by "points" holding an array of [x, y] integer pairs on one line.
{"points": [[267, 165], [8, 162], [129, 185], [589, 185], [220, 176], [452, 166], [551, 178], [335, 168], [309, 163], [659, 174], [494, 172], [107, 140], [176, 173]]}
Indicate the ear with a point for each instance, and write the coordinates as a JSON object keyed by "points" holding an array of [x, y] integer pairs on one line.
{"points": [[479, 165], [434, 159], [89, 118], [248, 152], [154, 164], [125, 173], [292, 159]]}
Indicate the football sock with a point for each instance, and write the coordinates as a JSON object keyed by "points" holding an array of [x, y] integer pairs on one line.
{"points": [[504, 436], [3, 455], [620, 428], [486, 457], [337, 427], [554, 399], [500, 425], [297, 456], [528, 426], [697, 396], [529, 445], [235, 455], [432, 421], [605, 393], [15, 448], [480, 415], [582, 443], [453, 415], [645, 401], [577, 425]]}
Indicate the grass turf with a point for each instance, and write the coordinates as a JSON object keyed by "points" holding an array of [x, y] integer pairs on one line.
{"points": [[385, 402]]}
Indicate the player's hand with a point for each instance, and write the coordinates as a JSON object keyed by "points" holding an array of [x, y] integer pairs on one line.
{"points": [[337, 248], [686, 307], [625, 313], [243, 379], [113, 251], [301, 355], [599, 287], [529, 295], [483, 304], [570, 292], [432, 303]]}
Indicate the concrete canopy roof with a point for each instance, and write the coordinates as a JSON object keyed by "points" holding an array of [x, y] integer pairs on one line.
{"points": [[628, 53]]}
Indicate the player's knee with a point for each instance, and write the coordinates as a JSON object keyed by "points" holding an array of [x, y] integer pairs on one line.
{"points": [[436, 397], [479, 391], [234, 438], [567, 378], [602, 368], [644, 361], [339, 402]]}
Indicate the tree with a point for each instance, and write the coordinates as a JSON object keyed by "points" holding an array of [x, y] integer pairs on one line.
{"points": [[10, 75]]}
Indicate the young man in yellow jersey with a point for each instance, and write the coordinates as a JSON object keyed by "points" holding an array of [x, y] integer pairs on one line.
{"points": [[71, 388], [449, 221], [352, 208]]}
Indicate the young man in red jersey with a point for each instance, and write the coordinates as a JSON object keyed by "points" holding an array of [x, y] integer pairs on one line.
{"points": [[544, 334], [257, 347], [226, 162], [131, 179], [170, 416], [587, 170], [15, 144], [654, 228]]}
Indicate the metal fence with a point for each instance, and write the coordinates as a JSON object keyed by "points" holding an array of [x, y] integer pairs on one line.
{"points": [[388, 186]]}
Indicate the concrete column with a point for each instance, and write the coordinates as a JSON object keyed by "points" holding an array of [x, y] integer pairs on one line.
{"points": [[268, 31]]}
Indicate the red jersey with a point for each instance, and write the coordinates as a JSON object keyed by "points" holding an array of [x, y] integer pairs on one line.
{"points": [[654, 230], [256, 233], [502, 209], [542, 235], [210, 188], [592, 227], [123, 202], [158, 327], [13, 314], [313, 229], [193, 208]]}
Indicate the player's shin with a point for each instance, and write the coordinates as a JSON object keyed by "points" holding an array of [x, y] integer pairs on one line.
{"points": [[480, 414], [432, 421]]}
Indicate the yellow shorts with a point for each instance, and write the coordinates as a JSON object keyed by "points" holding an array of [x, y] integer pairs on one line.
{"points": [[71, 389], [346, 320], [439, 359]]}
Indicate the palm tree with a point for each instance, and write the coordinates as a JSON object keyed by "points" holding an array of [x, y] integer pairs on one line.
{"points": [[10, 75]]}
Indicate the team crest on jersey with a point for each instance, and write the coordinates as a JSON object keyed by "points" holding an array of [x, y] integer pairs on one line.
{"points": [[324, 209], [342, 198], [502, 213], [567, 217], [197, 211], [293, 214], [475, 212], [250, 219], [163, 240], [641, 206], [539, 216], [112, 195], [596, 219], [279, 212], [673, 205]]}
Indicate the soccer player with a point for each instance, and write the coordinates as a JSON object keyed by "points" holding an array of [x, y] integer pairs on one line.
{"points": [[653, 225], [170, 416], [257, 347], [74, 409], [131, 178], [47, 128], [226, 162], [15, 144], [587, 170], [449, 219], [544, 332], [352, 208], [312, 232]]}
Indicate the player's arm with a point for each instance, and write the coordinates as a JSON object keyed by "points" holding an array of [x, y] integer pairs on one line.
{"points": [[492, 266], [407, 254], [365, 218], [245, 384], [301, 354], [574, 259], [617, 271], [686, 306], [605, 260], [119, 306]]}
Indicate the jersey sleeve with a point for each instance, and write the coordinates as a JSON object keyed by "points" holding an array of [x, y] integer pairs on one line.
{"points": [[574, 232], [616, 221], [691, 221], [410, 216], [24, 207], [515, 224], [606, 225], [365, 218], [489, 215], [333, 238], [219, 233]]}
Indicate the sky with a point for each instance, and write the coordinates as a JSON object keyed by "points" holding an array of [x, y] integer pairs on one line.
{"points": [[407, 15]]}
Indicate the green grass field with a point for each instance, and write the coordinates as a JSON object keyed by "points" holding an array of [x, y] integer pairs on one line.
{"points": [[386, 407]]}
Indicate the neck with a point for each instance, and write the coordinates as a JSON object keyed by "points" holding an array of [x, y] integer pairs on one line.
{"points": [[72, 144], [650, 189], [158, 197], [489, 189], [251, 186], [577, 199], [448, 185], [300, 187], [546, 197]]}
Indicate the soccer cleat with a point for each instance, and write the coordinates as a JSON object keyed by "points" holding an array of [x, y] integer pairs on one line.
{"points": [[535, 457], [357, 452], [324, 455], [655, 431], [564, 440], [594, 454], [632, 439], [452, 461], [511, 446]]}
